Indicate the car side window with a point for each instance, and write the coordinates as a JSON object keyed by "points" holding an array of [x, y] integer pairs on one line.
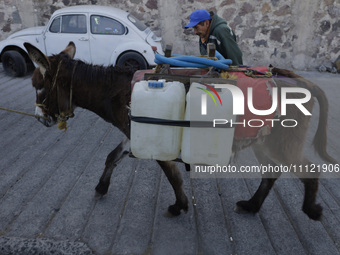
{"points": [[75, 24], [55, 26], [105, 25]]}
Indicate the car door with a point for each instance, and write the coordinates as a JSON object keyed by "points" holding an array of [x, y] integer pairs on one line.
{"points": [[66, 28], [106, 34]]}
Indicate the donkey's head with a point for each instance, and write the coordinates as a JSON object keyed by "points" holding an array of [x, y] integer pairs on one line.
{"points": [[52, 99]]}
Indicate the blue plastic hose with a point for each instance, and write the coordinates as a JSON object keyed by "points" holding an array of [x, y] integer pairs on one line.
{"points": [[190, 61]]}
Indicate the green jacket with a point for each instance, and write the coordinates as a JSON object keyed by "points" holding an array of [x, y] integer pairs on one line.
{"points": [[225, 40]]}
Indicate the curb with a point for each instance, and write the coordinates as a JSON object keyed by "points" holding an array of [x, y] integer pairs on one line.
{"points": [[41, 246]]}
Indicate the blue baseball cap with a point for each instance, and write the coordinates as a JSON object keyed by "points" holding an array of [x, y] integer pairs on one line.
{"points": [[198, 16]]}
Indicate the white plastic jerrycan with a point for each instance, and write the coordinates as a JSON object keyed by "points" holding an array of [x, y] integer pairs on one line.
{"points": [[157, 99], [208, 145]]}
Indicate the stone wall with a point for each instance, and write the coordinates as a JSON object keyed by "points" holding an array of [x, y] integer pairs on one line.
{"points": [[291, 34]]}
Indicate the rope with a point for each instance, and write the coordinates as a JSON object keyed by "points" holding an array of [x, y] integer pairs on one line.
{"points": [[23, 113], [64, 116]]}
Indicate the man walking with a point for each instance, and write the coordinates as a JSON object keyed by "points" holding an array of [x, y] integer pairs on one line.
{"points": [[214, 29]]}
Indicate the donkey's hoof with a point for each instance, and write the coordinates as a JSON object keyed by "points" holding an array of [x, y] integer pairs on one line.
{"points": [[245, 207], [174, 210], [314, 212], [102, 189]]}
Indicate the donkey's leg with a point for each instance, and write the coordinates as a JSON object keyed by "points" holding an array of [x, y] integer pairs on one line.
{"points": [[172, 173], [311, 183], [314, 211], [112, 161], [254, 204]]}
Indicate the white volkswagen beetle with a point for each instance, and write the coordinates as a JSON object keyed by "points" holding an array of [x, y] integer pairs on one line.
{"points": [[103, 35]]}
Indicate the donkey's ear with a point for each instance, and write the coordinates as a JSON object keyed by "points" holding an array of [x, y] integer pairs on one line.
{"points": [[38, 57], [70, 49]]}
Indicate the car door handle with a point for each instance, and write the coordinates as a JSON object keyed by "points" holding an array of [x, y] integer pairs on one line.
{"points": [[83, 39]]}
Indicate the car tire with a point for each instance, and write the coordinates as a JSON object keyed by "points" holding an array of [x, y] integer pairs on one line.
{"points": [[132, 60], [14, 63]]}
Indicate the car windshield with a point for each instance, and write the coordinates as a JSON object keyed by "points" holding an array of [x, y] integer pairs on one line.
{"points": [[140, 25]]}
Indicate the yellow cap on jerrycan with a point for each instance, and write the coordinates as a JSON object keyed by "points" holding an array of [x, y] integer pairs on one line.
{"points": [[157, 99]]}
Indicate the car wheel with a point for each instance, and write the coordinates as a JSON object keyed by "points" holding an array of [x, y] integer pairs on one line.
{"points": [[133, 60], [14, 63]]}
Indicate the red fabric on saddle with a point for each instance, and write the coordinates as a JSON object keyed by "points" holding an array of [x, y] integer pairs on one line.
{"points": [[139, 76], [262, 99]]}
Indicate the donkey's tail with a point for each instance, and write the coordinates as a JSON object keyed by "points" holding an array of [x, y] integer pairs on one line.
{"points": [[320, 138]]}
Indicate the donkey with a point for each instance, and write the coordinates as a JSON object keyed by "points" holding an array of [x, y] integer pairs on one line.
{"points": [[63, 83]]}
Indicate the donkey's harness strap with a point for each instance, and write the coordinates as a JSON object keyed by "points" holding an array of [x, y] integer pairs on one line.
{"points": [[179, 123]]}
